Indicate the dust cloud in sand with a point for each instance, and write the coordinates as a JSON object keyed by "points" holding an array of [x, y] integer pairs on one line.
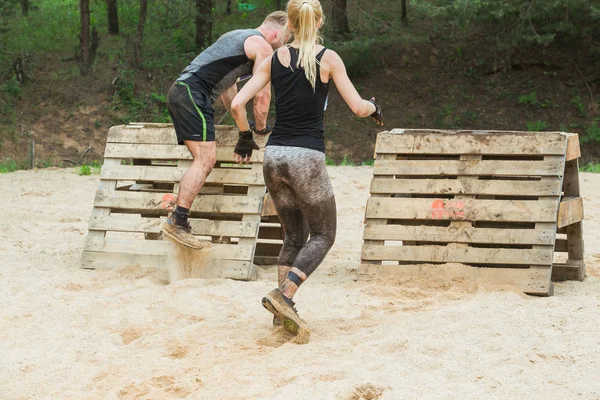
{"points": [[127, 333]]}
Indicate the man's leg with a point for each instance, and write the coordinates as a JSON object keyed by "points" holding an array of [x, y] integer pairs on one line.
{"points": [[204, 158]]}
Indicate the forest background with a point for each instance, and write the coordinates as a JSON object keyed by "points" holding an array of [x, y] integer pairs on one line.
{"points": [[69, 70]]}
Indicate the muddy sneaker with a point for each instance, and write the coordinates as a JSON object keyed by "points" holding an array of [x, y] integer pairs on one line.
{"points": [[277, 321], [183, 235], [283, 309]]}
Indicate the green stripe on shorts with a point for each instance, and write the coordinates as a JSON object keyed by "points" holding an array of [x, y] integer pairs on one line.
{"points": [[197, 109]]}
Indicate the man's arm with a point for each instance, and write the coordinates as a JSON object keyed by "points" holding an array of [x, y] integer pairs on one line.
{"points": [[228, 95], [258, 49]]}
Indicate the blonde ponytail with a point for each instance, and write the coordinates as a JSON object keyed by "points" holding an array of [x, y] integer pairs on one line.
{"points": [[305, 17]]}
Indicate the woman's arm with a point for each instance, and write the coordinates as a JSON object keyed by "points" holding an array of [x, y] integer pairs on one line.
{"points": [[259, 80], [359, 106]]}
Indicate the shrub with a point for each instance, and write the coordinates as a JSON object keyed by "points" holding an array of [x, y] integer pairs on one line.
{"points": [[536, 126]]}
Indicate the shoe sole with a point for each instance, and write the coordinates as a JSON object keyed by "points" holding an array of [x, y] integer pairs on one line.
{"points": [[186, 244], [290, 325]]}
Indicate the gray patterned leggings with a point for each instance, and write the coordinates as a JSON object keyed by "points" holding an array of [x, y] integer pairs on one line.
{"points": [[297, 180]]}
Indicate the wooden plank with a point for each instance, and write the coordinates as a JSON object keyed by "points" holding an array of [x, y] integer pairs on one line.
{"points": [[574, 231], [572, 270], [268, 249], [549, 225], [268, 209], [144, 133], [145, 201], [458, 254], [168, 152], [462, 210], [164, 248], [474, 187], [469, 167], [202, 227], [259, 192], [413, 141], [174, 174], [573, 150], [103, 211], [216, 268], [561, 246], [265, 260], [458, 234], [381, 221], [275, 232], [529, 280], [570, 211]]}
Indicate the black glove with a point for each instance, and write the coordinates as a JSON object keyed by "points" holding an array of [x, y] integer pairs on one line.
{"points": [[265, 131], [378, 114], [245, 145]]}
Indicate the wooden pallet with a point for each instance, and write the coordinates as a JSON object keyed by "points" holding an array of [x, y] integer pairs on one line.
{"points": [[143, 163], [491, 200]]}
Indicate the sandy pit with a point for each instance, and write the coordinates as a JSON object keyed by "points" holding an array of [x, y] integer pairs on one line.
{"points": [[68, 333]]}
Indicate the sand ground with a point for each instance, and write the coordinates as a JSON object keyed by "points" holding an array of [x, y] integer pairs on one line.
{"points": [[68, 333]]}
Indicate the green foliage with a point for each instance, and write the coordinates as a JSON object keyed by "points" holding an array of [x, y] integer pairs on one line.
{"points": [[329, 161], [591, 167], [96, 166], [8, 165], [450, 118], [360, 56], [520, 22], [529, 99], [152, 107], [11, 88], [592, 133], [536, 126], [84, 170], [368, 163], [578, 103], [346, 162]]}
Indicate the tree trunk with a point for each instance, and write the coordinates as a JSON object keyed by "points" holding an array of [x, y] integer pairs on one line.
{"points": [[228, 7], [339, 16], [113, 17], [84, 37], [278, 4], [203, 23], [24, 7], [139, 35], [404, 17]]}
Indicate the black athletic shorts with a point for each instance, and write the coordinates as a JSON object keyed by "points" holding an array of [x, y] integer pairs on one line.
{"points": [[192, 113]]}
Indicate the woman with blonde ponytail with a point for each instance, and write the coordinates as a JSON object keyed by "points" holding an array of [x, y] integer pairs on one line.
{"points": [[294, 163]]}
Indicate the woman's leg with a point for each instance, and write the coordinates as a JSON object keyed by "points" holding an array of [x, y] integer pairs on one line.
{"points": [[298, 182], [317, 204], [290, 215]]}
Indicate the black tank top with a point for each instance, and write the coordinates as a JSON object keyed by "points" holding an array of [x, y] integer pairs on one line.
{"points": [[298, 110]]}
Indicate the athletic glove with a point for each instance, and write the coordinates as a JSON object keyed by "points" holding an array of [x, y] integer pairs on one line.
{"points": [[265, 131], [245, 145], [378, 114]]}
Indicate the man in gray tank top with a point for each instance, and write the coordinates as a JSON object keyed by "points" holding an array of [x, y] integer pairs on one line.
{"points": [[214, 73]]}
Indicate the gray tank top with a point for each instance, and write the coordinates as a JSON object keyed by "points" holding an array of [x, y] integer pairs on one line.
{"points": [[218, 67]]}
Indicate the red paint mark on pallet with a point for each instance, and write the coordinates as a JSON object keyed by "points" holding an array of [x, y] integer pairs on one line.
{"points": [[451, 209], [168, 201]]}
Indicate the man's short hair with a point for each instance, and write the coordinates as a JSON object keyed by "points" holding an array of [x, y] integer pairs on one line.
{"points": [[277, 18]]}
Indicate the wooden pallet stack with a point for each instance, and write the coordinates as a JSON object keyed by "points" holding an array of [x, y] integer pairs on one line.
{"points": [[494, 201], [142, 167]]}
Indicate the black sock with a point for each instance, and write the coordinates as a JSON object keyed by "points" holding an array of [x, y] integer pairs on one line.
{"points": [[288, 300], [180, 215]]}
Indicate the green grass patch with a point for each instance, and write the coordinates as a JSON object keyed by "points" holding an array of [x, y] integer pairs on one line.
{"points": [[84, 170], [8, 165], [536, 126], [590, 167]]}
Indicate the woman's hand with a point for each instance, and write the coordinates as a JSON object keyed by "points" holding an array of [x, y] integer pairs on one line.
{"points": [[378, 114]]}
